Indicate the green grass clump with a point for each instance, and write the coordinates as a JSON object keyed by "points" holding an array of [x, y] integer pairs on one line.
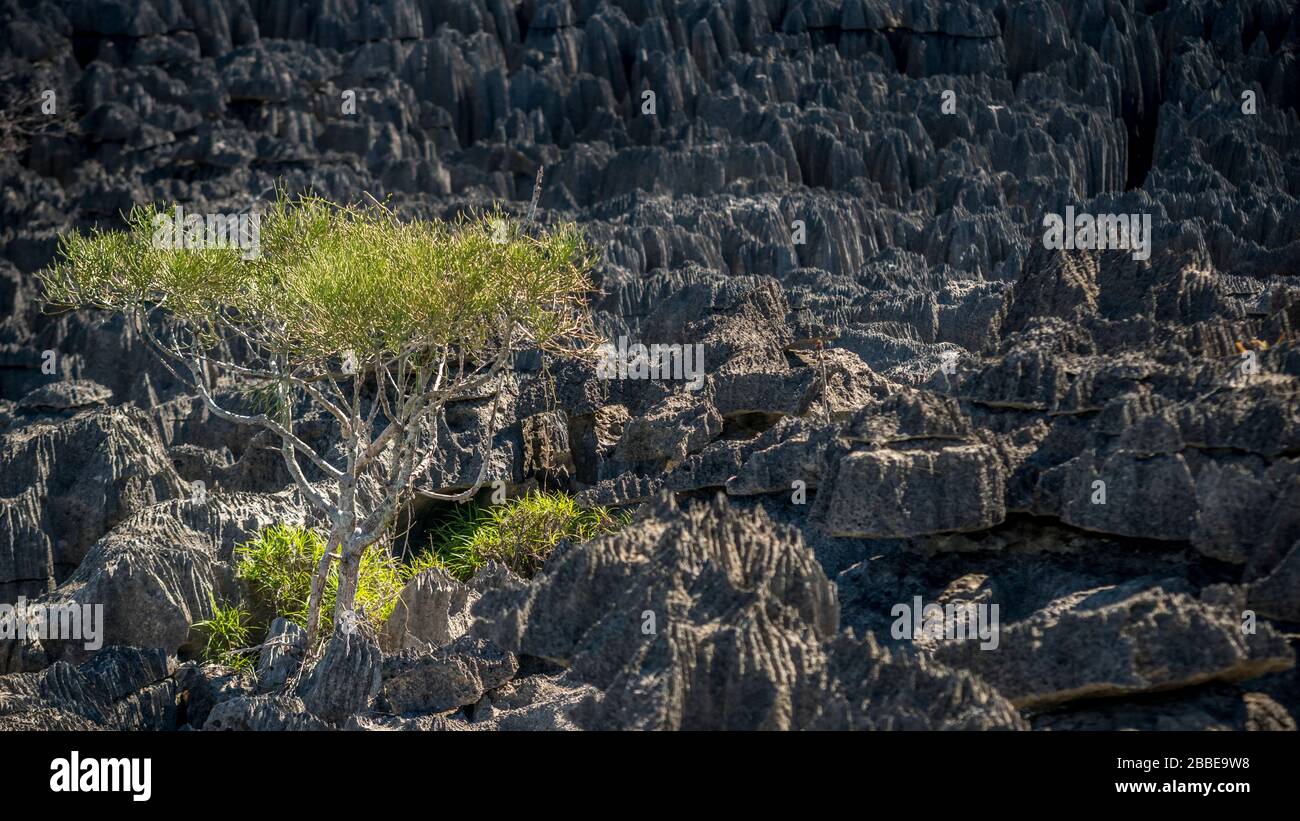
{"points": [[519, 534], [230, 630], [278, 564], [276, 567]]}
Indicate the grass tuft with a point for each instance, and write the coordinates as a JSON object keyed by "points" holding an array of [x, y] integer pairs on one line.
{"points": [[520, 534], [278, 564], [230, 630]]}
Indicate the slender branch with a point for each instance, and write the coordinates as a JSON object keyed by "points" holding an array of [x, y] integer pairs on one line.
{"points": [[260, 419], [487, 448]]}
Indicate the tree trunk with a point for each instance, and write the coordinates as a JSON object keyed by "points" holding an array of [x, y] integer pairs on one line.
{"points": [[349, 576], [319, 579]]}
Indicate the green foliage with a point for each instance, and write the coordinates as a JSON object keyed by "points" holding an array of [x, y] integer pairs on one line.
{"points": [[278, 564], [429, 309], [230, 629], [273, 399], [428, 560], [329, 279], [519, 534]]}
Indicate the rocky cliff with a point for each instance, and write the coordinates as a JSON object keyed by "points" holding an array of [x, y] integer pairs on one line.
{"points": [[907, 388]]}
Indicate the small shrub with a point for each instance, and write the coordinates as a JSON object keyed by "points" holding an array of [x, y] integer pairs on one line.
{"points": [[519, 534], [277, 567]]}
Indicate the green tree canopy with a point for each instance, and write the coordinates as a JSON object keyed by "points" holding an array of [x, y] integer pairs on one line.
{"points": [[330, 279]]}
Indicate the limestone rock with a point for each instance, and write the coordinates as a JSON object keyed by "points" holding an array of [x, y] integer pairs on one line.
{"points": [[344, 679], [66, 395], [1147, 643], [433, 609], [433, 681], [748, 647], [891, 493], [263, 713]]}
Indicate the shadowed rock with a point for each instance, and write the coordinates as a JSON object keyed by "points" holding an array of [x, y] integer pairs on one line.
{"points": [[119, 688], [1213, 707], [201, 687], [433, 681], [65, 483], [67, 395], [1147, 643]]}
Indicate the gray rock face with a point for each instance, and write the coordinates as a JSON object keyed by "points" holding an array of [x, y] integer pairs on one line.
{"points": [[749, 647], [624, 489], [119, 688], [679, 425], [461, 431], [434, 681], [546, 450], [909, 415], [1247, 512], [1150, 642], [1212, 707], [899, 493], [1145, 496], [283, 649], [377, 722], [791, 451], [274, 712], [344, 679], [153, 585], [64, 483], [879, 689], [537, 702], [204, 686], [156, 574], [66, 395], [432, 610], [844, 205], [1277, 595]]}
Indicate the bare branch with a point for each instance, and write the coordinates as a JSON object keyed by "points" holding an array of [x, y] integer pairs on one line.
{"points": [[260, 419]]}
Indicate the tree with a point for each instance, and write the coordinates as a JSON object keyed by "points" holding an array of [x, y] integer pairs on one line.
{"points": [[377, 321]]}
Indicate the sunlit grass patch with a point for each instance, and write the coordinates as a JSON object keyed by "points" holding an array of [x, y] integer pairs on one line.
{"points": [[519, 534]]}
